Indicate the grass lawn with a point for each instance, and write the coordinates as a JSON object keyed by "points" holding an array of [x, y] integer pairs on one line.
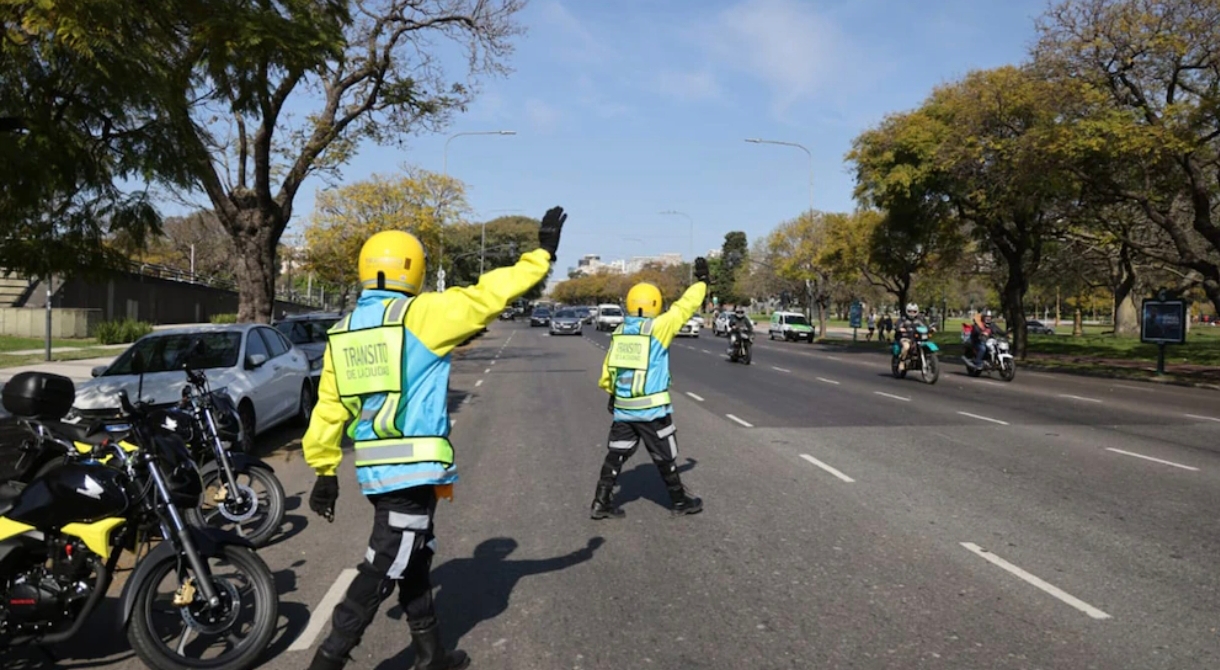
{"points": [[12, 360], [11, 343]]}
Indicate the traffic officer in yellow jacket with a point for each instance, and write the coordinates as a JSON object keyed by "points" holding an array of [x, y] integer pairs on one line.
{"points": [[385, 377], [636, 375]]}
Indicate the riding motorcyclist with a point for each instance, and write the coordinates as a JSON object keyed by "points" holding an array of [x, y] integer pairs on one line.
{"points": [[739, 324], [982, 329], [905, 330]]}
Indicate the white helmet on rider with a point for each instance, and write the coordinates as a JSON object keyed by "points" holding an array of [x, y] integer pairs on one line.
{"points": [[912, 310], [987, 313]]}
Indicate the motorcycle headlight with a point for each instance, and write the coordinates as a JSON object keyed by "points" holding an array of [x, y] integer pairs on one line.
{"points": [[1003, 346]]}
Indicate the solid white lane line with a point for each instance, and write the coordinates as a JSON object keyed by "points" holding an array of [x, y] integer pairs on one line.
{"points": [[744, 423], [780, 369], [1149, 458], [1202, 418], [694, 396], [1048, 588], [827, 468], [1076, 397], [895, 397], [828, 381], [320, 616], [983, 418], [478, 383]]}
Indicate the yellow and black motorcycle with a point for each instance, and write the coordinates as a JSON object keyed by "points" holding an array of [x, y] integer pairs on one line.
{"points": [[201, 598]]}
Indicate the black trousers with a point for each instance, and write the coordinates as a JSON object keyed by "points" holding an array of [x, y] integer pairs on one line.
{"points": [[399, 554], [659, 437]]}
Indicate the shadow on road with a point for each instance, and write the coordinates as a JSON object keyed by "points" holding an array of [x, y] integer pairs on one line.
{"points": [[294, 617], [643, 481], [476, 589]]}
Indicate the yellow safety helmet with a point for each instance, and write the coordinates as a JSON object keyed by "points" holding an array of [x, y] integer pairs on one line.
{"points": [[644, 300], [392, 260]]}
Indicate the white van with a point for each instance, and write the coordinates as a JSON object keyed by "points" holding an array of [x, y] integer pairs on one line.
{"points": [[790, 326], [609, 317]]}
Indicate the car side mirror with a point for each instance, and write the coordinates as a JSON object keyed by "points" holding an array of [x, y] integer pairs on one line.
{"points": [[98, 370], [255, 361]]}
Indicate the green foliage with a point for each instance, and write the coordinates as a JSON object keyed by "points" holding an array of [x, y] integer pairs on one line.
{"points": [[122, 331], [734, 254], [223, 318], [608, 287]]}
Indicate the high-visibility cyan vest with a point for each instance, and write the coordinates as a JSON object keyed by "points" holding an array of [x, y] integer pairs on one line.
{"points": [[640, 367], [371, 375]]}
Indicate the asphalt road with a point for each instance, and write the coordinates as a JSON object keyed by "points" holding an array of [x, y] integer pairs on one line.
{"points": [[851, 521]]}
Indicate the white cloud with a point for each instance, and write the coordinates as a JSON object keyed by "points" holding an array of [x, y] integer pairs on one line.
{"points": [[573, 37], [541, 116], [787, 44], [700, 85]]}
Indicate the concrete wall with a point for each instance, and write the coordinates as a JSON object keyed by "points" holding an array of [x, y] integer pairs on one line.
{"points": [[155, 300], [65, 323]]}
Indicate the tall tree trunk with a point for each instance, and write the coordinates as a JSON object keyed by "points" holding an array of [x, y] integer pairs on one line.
{"points": [[1013, 296], [252, 235], [1126, 321]]}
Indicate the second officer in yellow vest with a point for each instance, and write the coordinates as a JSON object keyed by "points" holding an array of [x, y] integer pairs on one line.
{"points": [[636, 375], [386, 373]]}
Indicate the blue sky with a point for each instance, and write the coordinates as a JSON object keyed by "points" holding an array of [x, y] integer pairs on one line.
{"points": [[627, 108]]}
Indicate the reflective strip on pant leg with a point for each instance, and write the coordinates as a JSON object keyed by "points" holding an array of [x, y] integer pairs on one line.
{"points": [[624, 445], [667, 431], [409, 521], [406, 547], [673, 447], [370, 555]]}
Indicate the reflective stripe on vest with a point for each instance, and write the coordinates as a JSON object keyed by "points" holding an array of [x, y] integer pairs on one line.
{"points": [[369, 360], [404, 450], [645, 402]]}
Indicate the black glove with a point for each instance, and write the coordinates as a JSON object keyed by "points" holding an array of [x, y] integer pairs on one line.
{"points": [[610, 404], [322, 499], [548, 233], [701, 272]]}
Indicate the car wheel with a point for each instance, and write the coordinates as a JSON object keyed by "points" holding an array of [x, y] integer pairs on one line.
{"points": [[305, 405]]}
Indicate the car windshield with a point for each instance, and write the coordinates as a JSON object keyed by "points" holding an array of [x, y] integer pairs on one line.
{"points": [[542, 312], [796, 320], [301, 331], [566, 314], [611, 311], [161, 352]]}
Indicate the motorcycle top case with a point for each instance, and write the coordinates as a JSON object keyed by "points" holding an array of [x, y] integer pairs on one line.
{"points": [[39, 395]]}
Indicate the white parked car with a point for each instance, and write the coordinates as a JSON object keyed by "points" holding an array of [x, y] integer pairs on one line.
{"points": [[609, 317], [266, 376], [692, 327]]}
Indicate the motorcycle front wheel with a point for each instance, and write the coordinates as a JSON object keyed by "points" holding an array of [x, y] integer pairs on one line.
{"points": [[232, 636], [1008, 369], [257, 523], [746, 356], [931, 368]]}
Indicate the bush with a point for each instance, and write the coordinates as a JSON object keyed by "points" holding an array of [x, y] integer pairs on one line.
{"points": [[223, 318], [123, 331]]}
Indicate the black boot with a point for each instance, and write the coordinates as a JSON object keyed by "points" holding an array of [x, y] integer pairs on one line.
{"points": [[603, 505], [323, 661], [683, 503], [431, 655]]}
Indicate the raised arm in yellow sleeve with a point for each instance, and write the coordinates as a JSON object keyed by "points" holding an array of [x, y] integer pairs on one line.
{"points": [[442, 321], [666, 326], [322, 442]]}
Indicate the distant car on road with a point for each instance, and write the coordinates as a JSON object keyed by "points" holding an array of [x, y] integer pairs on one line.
{"points": [[586, 314], [790, 326], [567, 322], [691, 327], [540, 317], [1038, 328], [720, 324], [265, 375], [609, 317], [308, 333]]}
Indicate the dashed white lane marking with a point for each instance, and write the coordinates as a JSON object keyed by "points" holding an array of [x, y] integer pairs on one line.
{"points": [[1202, 418], [705, 351], [891, 395], [1076, 397], [320, 616], [780, 369], [478, 383], [700, 399], [744, 423], [834, 358], [827, 468], [1130, 388], [1149, 458], [983, 418], [1031, 579], [452, 423], [494, 361], [487, 371], [828, 381]]}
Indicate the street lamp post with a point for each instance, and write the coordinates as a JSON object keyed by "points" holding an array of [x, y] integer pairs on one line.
{"points": [[755, 140], [440, 274], [671, 212]]}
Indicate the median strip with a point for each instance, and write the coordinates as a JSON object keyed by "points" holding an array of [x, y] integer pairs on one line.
{"points": [[827, 468], [1149, 458], [983, 418], [744, 423], [1053, 590]]}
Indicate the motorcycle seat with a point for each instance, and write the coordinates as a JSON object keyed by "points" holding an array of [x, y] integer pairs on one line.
{"points": [[9, 493], [88, 433]]}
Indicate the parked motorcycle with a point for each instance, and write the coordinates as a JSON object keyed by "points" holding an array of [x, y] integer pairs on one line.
{"points": [[923, 355], [209, 423], [61, 537], [998, 358], [741, 349]]}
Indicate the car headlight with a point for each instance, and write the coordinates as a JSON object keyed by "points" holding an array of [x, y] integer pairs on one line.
{"points": [[315, 364]]}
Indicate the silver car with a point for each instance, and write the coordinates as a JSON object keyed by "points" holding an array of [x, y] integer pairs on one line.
{"points": [[567, 322]]}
